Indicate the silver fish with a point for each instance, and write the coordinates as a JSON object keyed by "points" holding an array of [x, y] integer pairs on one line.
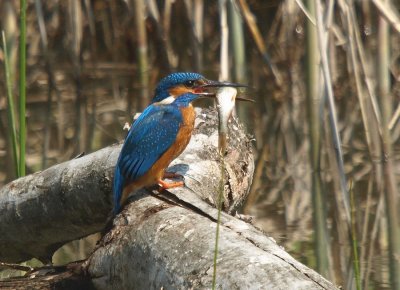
{"points": [[226, 97]]}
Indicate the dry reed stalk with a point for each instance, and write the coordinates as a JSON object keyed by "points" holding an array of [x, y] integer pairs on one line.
{"points": [[365, 233], [195, 13], [365, 274], [389, 13], [251, 23], [237, 43], [166, 24], [224, 50], [322, 41], [142, 51], [395, 118], [313, 80], [52, 86], [391, 192], [75, 41], [12, 132]]}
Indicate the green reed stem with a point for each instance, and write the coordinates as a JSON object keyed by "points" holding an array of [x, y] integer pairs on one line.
{"points": [[356, 261], [10, 104], [219, 204], [22, 88], [315, 118]]}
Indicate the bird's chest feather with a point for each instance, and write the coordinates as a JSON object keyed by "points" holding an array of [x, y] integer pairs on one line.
{"points": [[181, 141], [185, 129]]}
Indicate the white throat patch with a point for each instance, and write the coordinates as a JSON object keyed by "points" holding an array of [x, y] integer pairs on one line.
{"points": [[166, 101]]}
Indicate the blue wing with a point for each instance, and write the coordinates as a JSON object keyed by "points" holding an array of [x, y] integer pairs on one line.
{"points": [[149, 137]]}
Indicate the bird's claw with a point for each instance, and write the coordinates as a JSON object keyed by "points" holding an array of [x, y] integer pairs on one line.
{"points": [[168, 185]]}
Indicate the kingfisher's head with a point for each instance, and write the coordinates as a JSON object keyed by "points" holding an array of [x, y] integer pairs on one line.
{"points": [[186, 85], [176, 84]]}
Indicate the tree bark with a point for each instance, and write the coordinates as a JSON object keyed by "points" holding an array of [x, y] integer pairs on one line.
{"points": [[160, 240], [156, 244], [43, 211]]}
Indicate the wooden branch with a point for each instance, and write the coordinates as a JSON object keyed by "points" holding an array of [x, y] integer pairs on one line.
{"points": [[160, 240], [43, 211], [157, 244]]}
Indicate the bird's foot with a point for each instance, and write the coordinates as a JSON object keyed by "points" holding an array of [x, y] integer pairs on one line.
{"points": [[168, 185]]}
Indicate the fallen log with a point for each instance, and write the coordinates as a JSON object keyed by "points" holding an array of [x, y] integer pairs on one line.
{"points": [[157, 244], [71, 200], [160, 240]]}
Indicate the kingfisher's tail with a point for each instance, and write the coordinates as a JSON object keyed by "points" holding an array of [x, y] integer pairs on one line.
{"points": [[118, 186]]}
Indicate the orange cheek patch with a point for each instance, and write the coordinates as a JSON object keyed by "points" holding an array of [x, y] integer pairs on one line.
{"points": [[179, 90]]}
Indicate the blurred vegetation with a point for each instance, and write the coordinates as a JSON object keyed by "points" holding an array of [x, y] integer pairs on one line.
{"points": [[327, 84]]}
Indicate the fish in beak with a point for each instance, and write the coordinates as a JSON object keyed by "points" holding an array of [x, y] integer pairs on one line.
{"points": [[226, 95]]}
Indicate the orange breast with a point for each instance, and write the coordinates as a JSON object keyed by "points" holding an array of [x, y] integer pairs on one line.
{"points": [[182, 140], [156, 172]]}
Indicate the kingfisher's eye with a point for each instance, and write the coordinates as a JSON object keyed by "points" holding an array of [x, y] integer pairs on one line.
{"points": [[190, 84]]}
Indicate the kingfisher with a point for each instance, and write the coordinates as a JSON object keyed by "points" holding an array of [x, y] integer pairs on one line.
{"points": [[160, 134]]}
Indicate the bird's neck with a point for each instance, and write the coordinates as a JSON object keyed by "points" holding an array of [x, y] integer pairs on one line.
{"points": [[188, 115], [185, 100]]}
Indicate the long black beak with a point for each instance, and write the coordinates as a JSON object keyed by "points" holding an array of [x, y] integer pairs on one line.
{"points": [[211, 87], [216, 84]]}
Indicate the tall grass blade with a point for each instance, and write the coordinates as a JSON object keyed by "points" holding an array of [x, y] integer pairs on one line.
{"points": [[22, 88], [10, 104], [219, 204], [356, 261]]}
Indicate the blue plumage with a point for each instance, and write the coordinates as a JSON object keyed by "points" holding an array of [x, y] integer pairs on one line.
{"points": [[160, 134], [149, 137], [155, 132], [118, 187]]}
